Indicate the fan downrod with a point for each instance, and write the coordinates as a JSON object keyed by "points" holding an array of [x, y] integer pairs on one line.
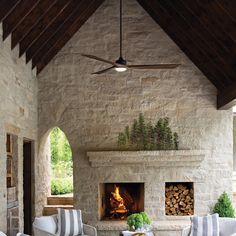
{"points": [[121, 61]]}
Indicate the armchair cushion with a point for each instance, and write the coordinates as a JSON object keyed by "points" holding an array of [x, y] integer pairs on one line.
{"points": [[89, 230], [227, 226], [69, 222], [206, 225]]}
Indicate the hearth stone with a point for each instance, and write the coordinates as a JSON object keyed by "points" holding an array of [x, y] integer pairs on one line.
{"points": [[160, 228]]}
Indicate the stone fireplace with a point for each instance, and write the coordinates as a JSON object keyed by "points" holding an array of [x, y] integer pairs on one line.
{"points": [[118, 200], [142, 180]]}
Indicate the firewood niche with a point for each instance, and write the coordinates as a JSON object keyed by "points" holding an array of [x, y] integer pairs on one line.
{"points": [[118, 200], [179, 199]]}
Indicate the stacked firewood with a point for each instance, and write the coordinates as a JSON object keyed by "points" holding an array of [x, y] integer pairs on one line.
{"points": [[179, 200]]}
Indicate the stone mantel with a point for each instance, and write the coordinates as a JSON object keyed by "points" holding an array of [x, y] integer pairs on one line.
{"points": [[173, 158]]}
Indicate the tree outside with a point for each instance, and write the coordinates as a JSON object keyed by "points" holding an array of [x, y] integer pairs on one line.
{"points": [[61, 163]]}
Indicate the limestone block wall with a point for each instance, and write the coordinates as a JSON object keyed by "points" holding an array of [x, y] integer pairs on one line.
{"points": [[92, 110], [234, 141], [43, 174], [18, 116]]}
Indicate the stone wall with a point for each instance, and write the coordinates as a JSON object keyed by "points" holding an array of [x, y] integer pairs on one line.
{"points": [[43, 174], [18, 116], [92, 110], [234, 141]]}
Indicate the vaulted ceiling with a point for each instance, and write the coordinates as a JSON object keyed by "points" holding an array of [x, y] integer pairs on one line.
{"points": [[204, 29]]}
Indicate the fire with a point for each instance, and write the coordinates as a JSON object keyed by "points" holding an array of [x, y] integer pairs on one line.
{"points": [[117, 202]]}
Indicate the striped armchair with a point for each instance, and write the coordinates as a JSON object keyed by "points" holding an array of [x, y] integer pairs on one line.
{"points": [[48, 225], [227, 227]]}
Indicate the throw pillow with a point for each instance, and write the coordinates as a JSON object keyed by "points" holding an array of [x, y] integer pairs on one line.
{"points": [[69, 222], [205, 226], [46, 223]]}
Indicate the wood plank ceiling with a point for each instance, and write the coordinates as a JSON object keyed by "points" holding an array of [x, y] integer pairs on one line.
{"points": [[204, 29], [42, 27]]}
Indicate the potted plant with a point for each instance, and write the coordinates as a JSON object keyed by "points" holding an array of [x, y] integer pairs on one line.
{"points": [[224, 206], [139, 222]]}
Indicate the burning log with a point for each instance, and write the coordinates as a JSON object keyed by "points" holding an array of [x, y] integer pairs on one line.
{"points": [[118, 208], [116, 201], [179, 200]]}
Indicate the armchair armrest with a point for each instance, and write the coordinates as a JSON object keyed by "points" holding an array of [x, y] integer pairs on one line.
{"points": [[89, 230], [40, 232], [186, 231]]}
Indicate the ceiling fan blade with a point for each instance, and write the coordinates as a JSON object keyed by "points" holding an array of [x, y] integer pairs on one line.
{"points": [[103, 71], [156, 66], [98, 59]]}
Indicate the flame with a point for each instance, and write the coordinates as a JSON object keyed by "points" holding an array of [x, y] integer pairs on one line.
{"points": [[116, 195]]}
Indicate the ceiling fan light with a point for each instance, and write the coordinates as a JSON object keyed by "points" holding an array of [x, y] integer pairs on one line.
{"points": [[121, 69]]}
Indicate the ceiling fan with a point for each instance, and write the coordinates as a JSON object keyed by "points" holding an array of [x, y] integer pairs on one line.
{"points": [[121, 65]]}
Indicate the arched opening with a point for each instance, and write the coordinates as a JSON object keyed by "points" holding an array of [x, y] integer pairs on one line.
{"points": [[56, 173], [61, 163]]}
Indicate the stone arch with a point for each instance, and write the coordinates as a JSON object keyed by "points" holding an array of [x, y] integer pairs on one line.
{"points": [[43, 170]]}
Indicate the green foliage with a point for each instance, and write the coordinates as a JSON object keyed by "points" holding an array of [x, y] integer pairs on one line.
{"points": [[61, 163], [146, 219], [142, 132], [121, 139], [61, 186], [145, 136], [224, 206], [176, 141], [137, 220], [134, 134], [150, 136], [62, 169], [60, 147]]}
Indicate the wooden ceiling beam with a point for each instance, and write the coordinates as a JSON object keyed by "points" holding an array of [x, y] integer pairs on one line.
{"points": [[224, 25], [215, 20], [17, 15], [204, 30], [60, 32], [229, 7], [31, 20], [68, 29], [46, 27], [185, 42], [201, 36], [6, 6]]}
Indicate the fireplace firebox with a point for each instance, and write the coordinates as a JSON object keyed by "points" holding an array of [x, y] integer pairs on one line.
{"points": [[119, 200]]}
